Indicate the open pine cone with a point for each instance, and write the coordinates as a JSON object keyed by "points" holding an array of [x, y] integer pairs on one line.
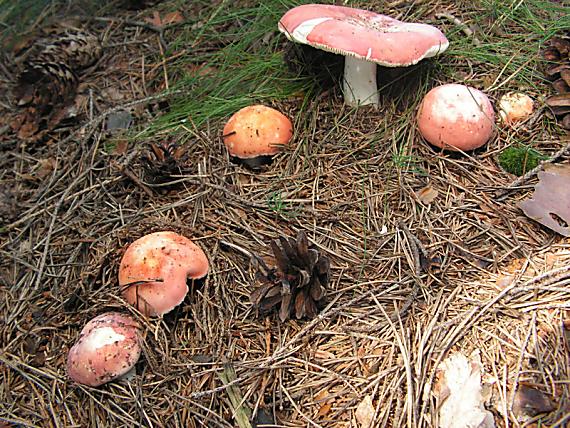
{"points": [[161, 161], [557, 54], [49, 65], [297, 285]]}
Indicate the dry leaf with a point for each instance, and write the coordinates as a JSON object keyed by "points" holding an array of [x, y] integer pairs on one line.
{"points": [[365, 412], [460, 389], [550, 203], [121, 147], [427, 195], [324, 355], [169, 18], [529, 402], [324, 393], [172, 18], [46, 167], [155, 20], [324, 409]]}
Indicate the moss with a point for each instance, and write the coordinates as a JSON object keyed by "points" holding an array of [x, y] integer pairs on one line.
{"points": [[520, 159]]}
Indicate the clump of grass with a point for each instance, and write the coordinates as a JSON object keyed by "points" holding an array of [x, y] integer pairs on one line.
{"points": [[509, 36], [18, 17], [242, 50], [520, 159]]}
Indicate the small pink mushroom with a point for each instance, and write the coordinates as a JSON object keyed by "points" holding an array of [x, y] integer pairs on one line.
{"points": [[154, 270], [255, 132], [456, 117], [108, 347]]}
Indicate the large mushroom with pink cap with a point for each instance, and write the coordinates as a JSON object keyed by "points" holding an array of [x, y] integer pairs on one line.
{"points": [[366, 39], [155, 269]]}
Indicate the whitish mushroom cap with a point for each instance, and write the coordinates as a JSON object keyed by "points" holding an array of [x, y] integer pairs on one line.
{"points": [[108, 347], [456, 117], [515, 107], [154, 270], [362, 34]]}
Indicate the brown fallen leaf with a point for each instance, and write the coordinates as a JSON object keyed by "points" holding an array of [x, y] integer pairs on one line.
{"points": [[45, 168], [550, 203], [324, 355], [172, 18], [529, 402], [162, 21], [365, 412], [324, 409], [427, 195]]}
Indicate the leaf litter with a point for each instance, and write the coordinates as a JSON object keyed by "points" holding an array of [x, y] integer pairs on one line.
{"points": [[387, 318]]}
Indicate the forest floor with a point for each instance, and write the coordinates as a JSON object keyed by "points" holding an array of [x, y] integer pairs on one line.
{"points": [[430, 253]]}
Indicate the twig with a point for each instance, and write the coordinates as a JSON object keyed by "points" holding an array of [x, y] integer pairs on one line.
{"points": [[415, 247], [564, 151], [462, 26], [130, 174], [147, 26], [242, 414]]}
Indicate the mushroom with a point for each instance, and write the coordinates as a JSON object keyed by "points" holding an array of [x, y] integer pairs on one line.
{"points": [[515, 107], [365, 39], [456, 117], [155, 268], [108, 347], [255, 133]]}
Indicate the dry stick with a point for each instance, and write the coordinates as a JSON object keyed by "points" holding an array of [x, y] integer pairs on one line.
{"points": [[159, 30], [462, 26], [130, 174], [242, 414], [415, 246], [502, 195]]}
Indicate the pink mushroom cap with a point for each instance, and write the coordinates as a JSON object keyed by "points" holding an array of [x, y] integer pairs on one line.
{"points": [[456, 117], [107, 348], [155, 268], [362, 34], [365, 39]]}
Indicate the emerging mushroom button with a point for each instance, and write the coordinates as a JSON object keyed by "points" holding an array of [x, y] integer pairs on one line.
{"points": [[107, 348], [155, 268], [365, 39], [456, 117], [257, 131]]}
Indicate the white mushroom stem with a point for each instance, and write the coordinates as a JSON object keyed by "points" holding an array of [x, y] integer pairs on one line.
{"points": [[359, 82]]}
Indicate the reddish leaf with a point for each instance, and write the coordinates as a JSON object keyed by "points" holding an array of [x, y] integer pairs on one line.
{"points": [[550, 203]]}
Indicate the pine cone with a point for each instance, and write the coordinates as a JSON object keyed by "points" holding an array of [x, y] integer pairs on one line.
{"points": [[297, 285], [49, 63], [558, 71], [42, 93], [71, 46], [162, 161]]}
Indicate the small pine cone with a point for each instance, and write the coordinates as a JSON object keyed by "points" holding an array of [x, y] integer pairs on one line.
{"points": [[76, 48], [162, 161], [297, 285], [557, 54], [42, 92], [49, 64]]}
